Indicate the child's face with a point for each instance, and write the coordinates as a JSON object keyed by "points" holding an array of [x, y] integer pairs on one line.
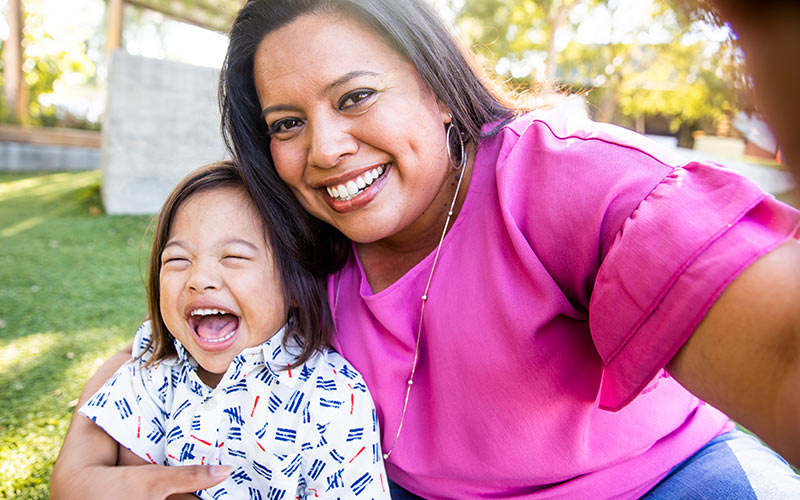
{"points": [[220, 292]]}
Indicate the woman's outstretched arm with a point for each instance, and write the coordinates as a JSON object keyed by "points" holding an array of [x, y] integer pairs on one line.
{"points": [[86, 466], [744, 358]]}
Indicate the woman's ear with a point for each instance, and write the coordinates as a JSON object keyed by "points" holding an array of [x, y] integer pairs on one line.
{"points": [[444, 111]]}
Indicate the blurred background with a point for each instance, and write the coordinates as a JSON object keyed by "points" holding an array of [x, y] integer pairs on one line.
{"points": [[106, 104]]}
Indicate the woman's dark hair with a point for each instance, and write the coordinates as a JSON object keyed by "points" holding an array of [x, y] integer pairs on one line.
{"points": [[412, 28], [307, 311]]}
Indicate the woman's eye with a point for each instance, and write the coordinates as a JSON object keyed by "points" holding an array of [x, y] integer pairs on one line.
{"points": [[355, 98], [284, 126]]}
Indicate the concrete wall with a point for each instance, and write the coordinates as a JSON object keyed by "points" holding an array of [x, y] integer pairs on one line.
{"points": [[161, 122], [25, 156]]}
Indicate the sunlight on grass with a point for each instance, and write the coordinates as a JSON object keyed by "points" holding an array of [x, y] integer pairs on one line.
{"points": [[48, 185], [17, 354], [21, 226], [39, 395], [71, 295]]}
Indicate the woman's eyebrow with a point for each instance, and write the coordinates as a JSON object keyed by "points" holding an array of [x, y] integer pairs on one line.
{"points": [[277, 107], [347, 77], [339, 81]]}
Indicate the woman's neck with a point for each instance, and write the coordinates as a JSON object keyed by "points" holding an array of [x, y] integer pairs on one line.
{"points": [[387, 260]]}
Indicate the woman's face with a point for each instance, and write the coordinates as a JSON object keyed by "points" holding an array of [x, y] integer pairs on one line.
{"points": [[354, 131]]}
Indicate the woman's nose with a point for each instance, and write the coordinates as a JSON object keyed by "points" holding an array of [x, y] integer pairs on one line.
{"points": [[203, 277], [330, 142]]}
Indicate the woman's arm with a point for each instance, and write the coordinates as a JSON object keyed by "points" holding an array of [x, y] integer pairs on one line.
{"points": [[128, 458], [86, 465], [744, 358]]}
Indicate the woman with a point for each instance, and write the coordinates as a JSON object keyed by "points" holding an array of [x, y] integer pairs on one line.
{"points": [[518, 290]]}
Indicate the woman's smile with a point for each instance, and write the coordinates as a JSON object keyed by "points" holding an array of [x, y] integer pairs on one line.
{"points": [[357, 192], [354, 187]]}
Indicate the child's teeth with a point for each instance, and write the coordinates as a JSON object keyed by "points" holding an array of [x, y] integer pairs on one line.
{"points": [[221, 339], [352, 188], [206, 312]]}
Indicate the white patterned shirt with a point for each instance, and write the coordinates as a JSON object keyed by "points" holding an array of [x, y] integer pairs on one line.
{"points": [[308, 432]]}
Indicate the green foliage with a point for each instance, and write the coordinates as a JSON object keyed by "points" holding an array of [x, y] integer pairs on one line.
{"points": [[686, 88], [664, 66], [71, 294], [516, 29], [46, 62]]}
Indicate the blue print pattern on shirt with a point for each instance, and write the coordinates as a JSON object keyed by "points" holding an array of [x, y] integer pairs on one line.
{"points": [[305, 432]]}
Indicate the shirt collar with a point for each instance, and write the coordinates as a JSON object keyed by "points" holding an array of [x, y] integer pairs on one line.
{"points": [[272, 353]]}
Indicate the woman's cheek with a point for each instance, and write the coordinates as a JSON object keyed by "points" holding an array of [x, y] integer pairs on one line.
{"points": [[281, 159]]}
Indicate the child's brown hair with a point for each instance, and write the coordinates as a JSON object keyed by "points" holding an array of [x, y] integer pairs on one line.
{"points": [[307, 311]]}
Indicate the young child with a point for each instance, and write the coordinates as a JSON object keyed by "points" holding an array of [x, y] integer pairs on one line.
{"points": [[220, 376]]}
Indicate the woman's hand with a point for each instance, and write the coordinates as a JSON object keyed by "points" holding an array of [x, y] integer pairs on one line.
{"points": [[86, 465], [744, 358], [138, 482]]}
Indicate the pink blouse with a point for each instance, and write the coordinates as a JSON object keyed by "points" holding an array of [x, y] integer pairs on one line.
{"points": [[582, 259]]}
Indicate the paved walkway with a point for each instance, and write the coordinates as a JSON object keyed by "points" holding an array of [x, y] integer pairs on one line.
{"points": [[771, 180]]}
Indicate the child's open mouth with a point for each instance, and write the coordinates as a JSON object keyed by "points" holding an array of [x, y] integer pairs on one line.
{"points": [[214, 326]]}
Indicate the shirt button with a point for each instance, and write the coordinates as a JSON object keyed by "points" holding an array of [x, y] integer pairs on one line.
{"points": [[210, 404]]}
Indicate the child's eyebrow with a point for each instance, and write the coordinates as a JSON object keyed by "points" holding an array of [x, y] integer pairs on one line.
{"points": [[175, 243], [239, 241], [228, 242]]}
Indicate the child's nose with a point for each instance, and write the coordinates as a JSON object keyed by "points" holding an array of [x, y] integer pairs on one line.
{"points": [[203, 277]]}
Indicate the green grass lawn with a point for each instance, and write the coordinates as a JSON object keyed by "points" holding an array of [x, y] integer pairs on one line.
{"points": [[71, 294]]}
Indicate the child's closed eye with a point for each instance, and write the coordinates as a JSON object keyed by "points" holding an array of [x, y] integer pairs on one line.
{"points": [[236, 257], [174, 260]]}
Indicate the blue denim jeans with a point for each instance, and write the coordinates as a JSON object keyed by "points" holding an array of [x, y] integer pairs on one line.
{"points": [[732, 466]]}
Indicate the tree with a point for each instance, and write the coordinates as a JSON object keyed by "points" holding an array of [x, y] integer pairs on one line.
{"points": [[658, 62], [45, 62], [13, 88], [521, 30]]}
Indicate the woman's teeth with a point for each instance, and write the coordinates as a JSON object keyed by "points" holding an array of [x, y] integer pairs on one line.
{"points": [[352, 188]]}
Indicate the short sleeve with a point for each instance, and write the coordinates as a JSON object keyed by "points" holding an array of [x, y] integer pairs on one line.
{"points": [[347, 461], [125, 409], [675, 254]]}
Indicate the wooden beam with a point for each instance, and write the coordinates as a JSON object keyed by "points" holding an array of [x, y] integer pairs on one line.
{"points": [[13, 88], [50, 136], [215, 15], [115, 12]]}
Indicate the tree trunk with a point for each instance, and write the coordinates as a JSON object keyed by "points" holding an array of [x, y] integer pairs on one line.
{"points": [[14, 90], [686, 135], [640, 124], [556, 18]]}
